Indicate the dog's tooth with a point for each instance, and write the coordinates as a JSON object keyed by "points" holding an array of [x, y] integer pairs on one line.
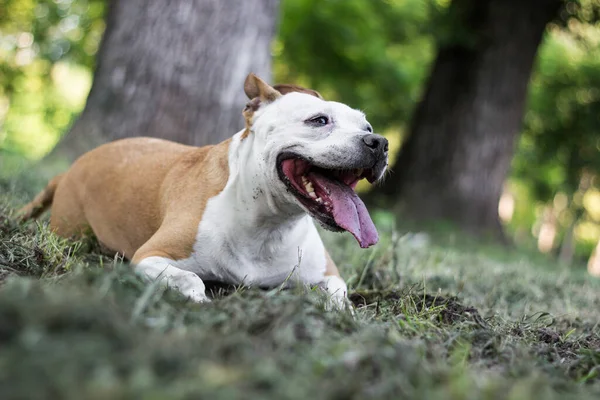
{"points": [[358, 171], [319, 200], [306, 183], [312, 194]]}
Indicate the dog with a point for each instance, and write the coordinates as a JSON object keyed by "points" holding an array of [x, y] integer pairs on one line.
{"points": [[239, 212]]}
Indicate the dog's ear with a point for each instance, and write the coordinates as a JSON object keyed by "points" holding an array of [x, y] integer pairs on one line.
{"points": [[254, 87], [259, 92], [286, 88]]}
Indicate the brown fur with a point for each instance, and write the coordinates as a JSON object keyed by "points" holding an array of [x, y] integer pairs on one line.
{"points": [[256, 87], [140, 196], [42, 201], [330, 267], [284, 88], [248, 113]]}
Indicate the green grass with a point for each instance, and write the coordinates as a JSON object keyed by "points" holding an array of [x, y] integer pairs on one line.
{"points": [[431, 322]]}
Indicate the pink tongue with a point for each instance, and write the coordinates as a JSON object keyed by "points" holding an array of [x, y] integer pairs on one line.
{"points": [[349, 211]]}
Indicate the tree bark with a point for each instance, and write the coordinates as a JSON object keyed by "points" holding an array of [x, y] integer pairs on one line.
{"points": [[174, 69], [454, 163]]}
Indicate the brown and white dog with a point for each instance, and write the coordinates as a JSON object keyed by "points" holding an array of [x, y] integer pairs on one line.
{"points": [[238, 212]]}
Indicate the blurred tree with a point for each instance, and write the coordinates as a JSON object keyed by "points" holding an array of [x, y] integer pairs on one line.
{"points": [[559, 149], [173, 70], [464, 130], [372, 55]]}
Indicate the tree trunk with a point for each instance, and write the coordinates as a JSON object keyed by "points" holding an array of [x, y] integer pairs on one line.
{"points": [[463, 133], [175, 70]]}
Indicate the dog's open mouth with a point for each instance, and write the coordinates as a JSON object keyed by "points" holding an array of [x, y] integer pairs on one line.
{"points": [[329, 196]]}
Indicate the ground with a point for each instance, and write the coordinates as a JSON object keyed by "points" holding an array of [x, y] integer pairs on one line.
{"points": [[430, 321]]}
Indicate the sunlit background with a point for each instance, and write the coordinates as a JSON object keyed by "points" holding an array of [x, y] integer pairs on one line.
{"points": [[378, 62]]}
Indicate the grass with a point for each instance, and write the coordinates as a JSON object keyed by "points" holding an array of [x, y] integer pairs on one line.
{"points": [[430, 321]]}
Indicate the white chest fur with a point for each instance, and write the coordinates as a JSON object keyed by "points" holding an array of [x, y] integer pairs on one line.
{"points": [[240, 241], [230, 250]]}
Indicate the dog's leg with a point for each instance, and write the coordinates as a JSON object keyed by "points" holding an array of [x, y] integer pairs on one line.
{"points": [[334, 285], [163, 269]]}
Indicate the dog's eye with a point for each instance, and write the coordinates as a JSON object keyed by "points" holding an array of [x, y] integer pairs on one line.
{"points": [[369, 128], [320, 120]]}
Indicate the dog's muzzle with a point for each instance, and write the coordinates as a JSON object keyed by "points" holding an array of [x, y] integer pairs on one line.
{"points": [[375, 155], [326, 188]]}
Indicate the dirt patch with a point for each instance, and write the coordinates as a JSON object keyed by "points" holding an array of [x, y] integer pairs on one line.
{"points": [[589, 342], [579, 358], [548, 336], [217, 290], [365, 298], [450, 311]]}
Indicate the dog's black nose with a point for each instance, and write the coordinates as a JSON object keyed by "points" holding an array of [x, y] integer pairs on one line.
{"points": [[376, 142]]}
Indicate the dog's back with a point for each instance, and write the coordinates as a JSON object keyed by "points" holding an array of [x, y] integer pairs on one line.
{"points": [[119, 187]]}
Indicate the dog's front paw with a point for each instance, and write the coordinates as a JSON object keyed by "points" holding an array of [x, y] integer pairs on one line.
{"points": [[191, 286], [196, 296], [338, 291], [337, 303]]}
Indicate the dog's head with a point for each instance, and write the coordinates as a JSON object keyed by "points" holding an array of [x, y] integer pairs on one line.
{"points": [[314, 152]]}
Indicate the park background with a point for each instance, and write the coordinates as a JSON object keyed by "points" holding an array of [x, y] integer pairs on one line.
{"points": [[492, 112], [503, 99]]}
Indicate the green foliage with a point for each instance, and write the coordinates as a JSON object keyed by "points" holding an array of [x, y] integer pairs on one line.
{"points": [[373, 55], [47, 50], [558, 159], [561, 138]]}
